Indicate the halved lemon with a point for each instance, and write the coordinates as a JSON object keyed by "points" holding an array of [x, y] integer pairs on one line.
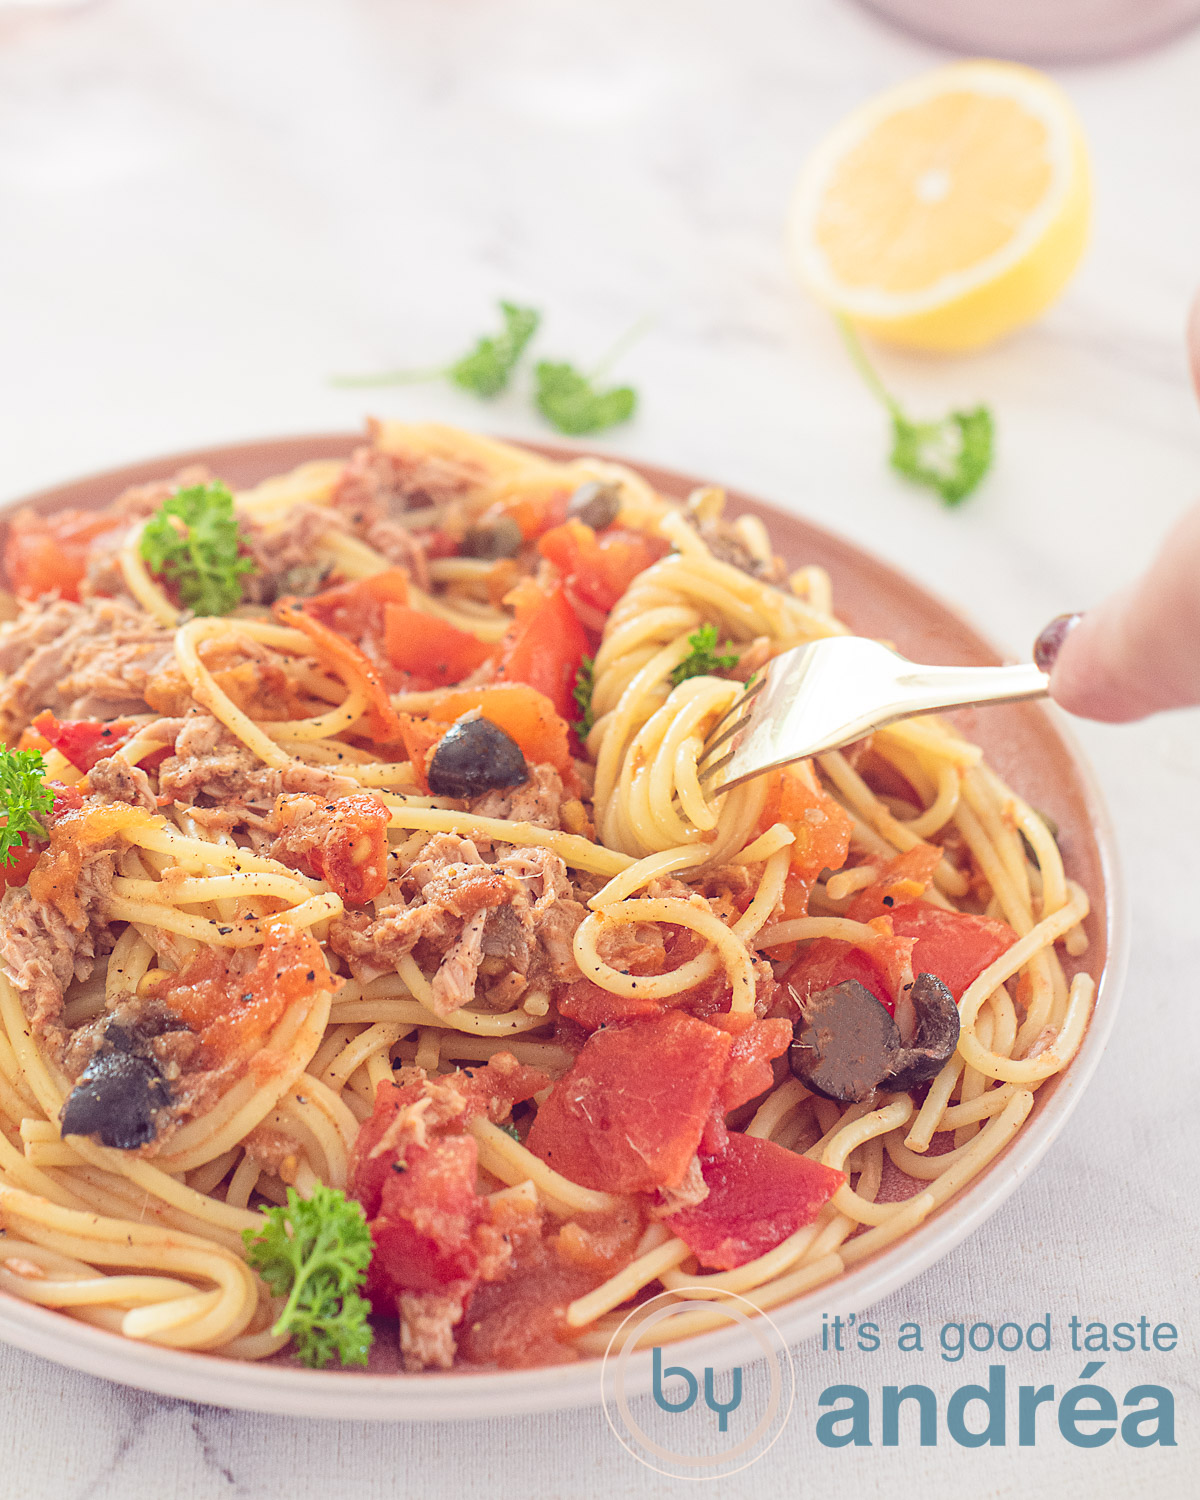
{"points": [[947, 211]]}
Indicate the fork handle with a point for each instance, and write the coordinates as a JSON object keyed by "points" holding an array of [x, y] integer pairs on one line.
{"points": [[924, 689]]}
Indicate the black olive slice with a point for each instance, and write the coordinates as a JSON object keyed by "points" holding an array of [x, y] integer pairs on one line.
{"points": [[935, 1037], [845, 1043], [493, 540], [116, 1098], [476, 756], [595, 504]]}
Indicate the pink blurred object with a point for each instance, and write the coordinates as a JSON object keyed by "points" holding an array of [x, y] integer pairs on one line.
{"points": [[1043, 31]]}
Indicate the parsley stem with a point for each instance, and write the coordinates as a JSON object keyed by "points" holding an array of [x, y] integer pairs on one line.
{"points": [[389, 377], [636, 330], [863, 365]]}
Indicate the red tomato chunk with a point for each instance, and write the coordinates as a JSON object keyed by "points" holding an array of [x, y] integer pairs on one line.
{"points": [[84, 742], [429, 1225], [758, 1194], [628, 1114], [953, 946], [49, 554], [343, 842]]}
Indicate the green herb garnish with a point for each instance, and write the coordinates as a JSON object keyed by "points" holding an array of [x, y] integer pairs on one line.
{"points": [[24, 796], [315, 1252], [570, 401], [193, 540], [585, 682], [703, 661], [485, 370], [951, 456]]}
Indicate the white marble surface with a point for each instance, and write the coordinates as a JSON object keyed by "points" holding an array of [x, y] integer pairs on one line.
{"points": [[207, 207]]}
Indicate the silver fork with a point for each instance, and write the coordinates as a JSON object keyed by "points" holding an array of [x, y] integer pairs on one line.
{"points": [[831, 692]]}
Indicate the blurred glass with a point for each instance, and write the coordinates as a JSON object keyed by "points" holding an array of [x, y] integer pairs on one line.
{"points": [[1043, 31]]}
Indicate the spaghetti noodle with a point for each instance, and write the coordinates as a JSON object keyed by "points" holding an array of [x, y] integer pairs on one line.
{"points": [[292, 926]]}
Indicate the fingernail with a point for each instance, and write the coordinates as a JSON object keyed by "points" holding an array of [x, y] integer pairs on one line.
{"points": [[1049, 643]]}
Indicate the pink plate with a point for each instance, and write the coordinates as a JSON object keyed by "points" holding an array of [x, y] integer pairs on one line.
{"points": [[1027, 746]]}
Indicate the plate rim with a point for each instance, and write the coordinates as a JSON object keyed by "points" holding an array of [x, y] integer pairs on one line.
{"points": [[283, 1390]]}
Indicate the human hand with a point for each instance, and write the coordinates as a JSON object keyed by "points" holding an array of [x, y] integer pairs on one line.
{"points": [[1138, 652]]}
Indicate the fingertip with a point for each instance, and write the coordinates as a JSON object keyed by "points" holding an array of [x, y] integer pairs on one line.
{"points": [[1086, 677], [1050, 642]]}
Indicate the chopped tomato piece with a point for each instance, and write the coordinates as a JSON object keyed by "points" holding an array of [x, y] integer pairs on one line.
{"points": [[369, 1171], [424, 1229], [598, 568], [356, 609], [494, 1089], [592, 1007], [75, 833], [27, 854], [432, 650], [44, 554], [603, 1244], [758, 1194], [436, 543], [490, 1089], [521, 711], [521, 1320], [533, 513], [544, 647], [429, 1225], [24, 857], [232, 1013], [755, 1045], [821, 825], [829, 961], [905, 878], [628, 1114], [882, 964], [84, 742], [954, 946], [343, 842], [347, 659], [419, 736]]}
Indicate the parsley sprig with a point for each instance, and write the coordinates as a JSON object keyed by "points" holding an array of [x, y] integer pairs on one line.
{"points": [[949, 457], [484, 370], [570, 402], [569, 399], [193, 540], [703, 661], [315, 1252], [24, 796], [585, 683]]}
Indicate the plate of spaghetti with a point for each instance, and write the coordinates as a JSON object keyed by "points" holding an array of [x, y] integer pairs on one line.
{"points": [[384, 1009]]}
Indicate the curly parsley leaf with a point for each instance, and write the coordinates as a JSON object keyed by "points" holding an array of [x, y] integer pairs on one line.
{"points": [[24, 796], [570, 401], [585, 682], [703, 661], [315, 1252], [193, 540], [949, 457], [487, 368], [484, 370]]}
